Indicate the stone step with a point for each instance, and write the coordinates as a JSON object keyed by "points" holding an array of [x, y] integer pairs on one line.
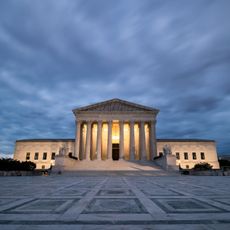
{"points": [[68, 164]]}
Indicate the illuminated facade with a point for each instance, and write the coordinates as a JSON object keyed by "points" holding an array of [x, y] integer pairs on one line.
{"points": [[115, 129], [111, 131]]}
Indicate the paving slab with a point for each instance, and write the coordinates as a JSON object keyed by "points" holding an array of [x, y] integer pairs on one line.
{"points": [[114, 201]]}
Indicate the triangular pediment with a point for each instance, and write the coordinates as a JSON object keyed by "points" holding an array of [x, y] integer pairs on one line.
{"points": [[115, 105]]}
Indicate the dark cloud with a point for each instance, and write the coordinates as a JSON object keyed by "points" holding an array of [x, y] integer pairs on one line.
{"points": [[58, 55]]}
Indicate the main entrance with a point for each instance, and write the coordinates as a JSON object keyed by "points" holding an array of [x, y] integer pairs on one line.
{"points": [[115, 140], [115, 152]]}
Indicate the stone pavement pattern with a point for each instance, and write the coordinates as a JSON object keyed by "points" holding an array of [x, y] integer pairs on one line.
{"points": [[114, 201]]}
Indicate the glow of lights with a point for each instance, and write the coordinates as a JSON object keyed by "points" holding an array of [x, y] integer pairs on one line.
{"points": [[115, 137]]}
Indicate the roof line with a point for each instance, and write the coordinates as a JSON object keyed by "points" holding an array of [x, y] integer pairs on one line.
{"points": [[45, 140], [118, 100], [185, 140]]}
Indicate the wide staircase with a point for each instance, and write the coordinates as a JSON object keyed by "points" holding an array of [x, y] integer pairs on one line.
{"points": [[68, 165]]}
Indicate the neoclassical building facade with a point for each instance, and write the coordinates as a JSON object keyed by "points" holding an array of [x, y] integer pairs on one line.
{"points": [[115, 130]]}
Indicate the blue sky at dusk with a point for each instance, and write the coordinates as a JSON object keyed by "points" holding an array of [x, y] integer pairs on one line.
{"points": [[59, 55]]}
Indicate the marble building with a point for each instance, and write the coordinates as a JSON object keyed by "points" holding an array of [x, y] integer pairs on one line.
{"points": [[116, 130]]}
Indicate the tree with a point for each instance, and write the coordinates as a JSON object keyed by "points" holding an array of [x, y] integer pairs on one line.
{"points": [[224, 163], [14, 165], [203, 166]]}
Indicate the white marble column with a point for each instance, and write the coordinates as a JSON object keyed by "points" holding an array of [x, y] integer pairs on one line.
{"points": [[109, 147], [153, 142], [132, 142], [83, 141], [99, 135], [77, 139], [121, 145], [143, 155], [88, 140]]}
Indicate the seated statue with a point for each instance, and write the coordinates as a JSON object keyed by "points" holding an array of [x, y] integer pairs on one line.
{"points": [[167, 150], [62, 151]]}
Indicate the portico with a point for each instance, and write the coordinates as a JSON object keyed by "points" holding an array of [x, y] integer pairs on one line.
{"points": [[114, 130]]}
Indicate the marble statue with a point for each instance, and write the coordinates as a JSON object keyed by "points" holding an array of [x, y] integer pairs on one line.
{"points": [[167, 150]]}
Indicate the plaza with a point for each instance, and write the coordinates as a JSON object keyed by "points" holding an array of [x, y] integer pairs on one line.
{"points": [[115, 200]]}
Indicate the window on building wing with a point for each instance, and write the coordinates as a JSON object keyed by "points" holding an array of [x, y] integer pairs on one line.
{"points": [[44, 156], [194, 156], [202, 156], [53, 156], [27, 156], [185, 155], [36, 156], [178, 156]]}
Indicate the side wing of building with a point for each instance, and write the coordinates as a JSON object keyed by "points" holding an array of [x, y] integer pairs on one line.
{"points": [[190, 152], [42, 152]]}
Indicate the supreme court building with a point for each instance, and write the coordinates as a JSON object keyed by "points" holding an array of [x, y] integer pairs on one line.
{"points": [[115, 130]]}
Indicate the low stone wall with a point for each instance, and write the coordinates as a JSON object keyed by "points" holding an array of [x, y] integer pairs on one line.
{"points": [[23, 173], [205, 173]]}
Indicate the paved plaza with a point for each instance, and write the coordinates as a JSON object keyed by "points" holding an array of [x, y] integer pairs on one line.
{"points": [[129, 200]]}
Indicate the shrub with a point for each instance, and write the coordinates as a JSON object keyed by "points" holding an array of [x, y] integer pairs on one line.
{"points": [[203, 166], [14, 165], [224, 163]]}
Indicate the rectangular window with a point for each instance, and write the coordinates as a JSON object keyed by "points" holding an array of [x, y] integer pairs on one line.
{"points": [[27, 156], [178, 156], [194, 156], [185, 155], [36, 156], [53, 156], [202, 156], [44, 156]]}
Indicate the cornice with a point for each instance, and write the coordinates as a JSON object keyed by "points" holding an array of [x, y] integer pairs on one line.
{"points": [[115, 106]]}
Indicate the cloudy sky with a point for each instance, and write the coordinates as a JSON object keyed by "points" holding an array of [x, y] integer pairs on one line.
{"points": [[58, 55]]}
